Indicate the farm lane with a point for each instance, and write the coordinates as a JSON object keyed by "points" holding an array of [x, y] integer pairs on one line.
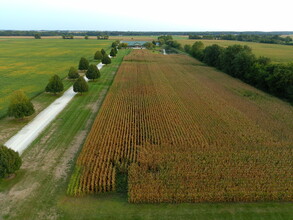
{"points": [[32, 130]]}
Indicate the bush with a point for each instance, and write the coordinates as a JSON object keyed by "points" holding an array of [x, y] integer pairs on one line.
{"points": [[73, 73], [10, 161], [20, 106], [83, 64]]}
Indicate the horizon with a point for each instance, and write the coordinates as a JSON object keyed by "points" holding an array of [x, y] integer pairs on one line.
{"points": [[142, 31]]}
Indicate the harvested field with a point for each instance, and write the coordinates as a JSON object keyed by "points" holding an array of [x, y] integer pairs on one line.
{"points": [[184, 132]]}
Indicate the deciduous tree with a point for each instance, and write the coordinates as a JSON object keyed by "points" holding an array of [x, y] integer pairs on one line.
{"points": [[10, 161], [55, 85], [83, 64], [92, 72], [20, 106], [106, 60], [73, 73], [103, 52], [80, 86], [98, 55]]}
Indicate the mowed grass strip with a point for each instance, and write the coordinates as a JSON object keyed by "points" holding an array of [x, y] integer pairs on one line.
{"points": [[28, 64]]}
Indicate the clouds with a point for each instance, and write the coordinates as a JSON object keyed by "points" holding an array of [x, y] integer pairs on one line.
{"points": [[148, 15]]}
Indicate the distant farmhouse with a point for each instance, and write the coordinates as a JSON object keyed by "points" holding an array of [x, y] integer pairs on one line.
{"points": [[135, 44]]}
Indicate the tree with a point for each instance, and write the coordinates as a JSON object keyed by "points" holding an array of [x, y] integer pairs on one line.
{"points": [[83, 64], [124, 45], [243, 64], [98, 55], [114, 44], [149, 45], [55, 85], [115, 50], [113, 53], [73, 73], [93, 72], [197, 50], [211, 55], [10, 161], [106, 60], [86, 37], [37, 36], [187, 48], [280, 80], [228, 55], [103, 52], [80, 85], [20, 106]]}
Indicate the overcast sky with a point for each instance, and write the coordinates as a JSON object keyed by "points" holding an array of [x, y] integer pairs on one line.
{"points": [[150, 15]]}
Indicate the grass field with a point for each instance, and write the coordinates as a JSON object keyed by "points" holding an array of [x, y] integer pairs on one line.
{"points": [[28, 64], [277, 52]]}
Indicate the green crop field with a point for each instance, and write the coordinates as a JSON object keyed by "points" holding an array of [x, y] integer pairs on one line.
{"points": [[28, 64], [277, 52]]}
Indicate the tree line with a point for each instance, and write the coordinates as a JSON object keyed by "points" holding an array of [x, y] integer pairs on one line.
{"points": [[132, 33], [239, 62], [264, 38]]}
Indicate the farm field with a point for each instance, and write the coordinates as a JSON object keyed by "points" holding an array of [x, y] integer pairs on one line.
{"points": [[39, 189], [180, 131], [277, 53], [28, 64]]}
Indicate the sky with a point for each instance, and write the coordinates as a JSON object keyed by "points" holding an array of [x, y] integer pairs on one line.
{"points": [[150, 15]]}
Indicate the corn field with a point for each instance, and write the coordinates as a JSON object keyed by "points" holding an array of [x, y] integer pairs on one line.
{"points": [[184, 132]]}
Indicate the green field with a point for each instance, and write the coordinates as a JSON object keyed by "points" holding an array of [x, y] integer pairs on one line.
{"points": [[28, 63], [277, 52]]}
